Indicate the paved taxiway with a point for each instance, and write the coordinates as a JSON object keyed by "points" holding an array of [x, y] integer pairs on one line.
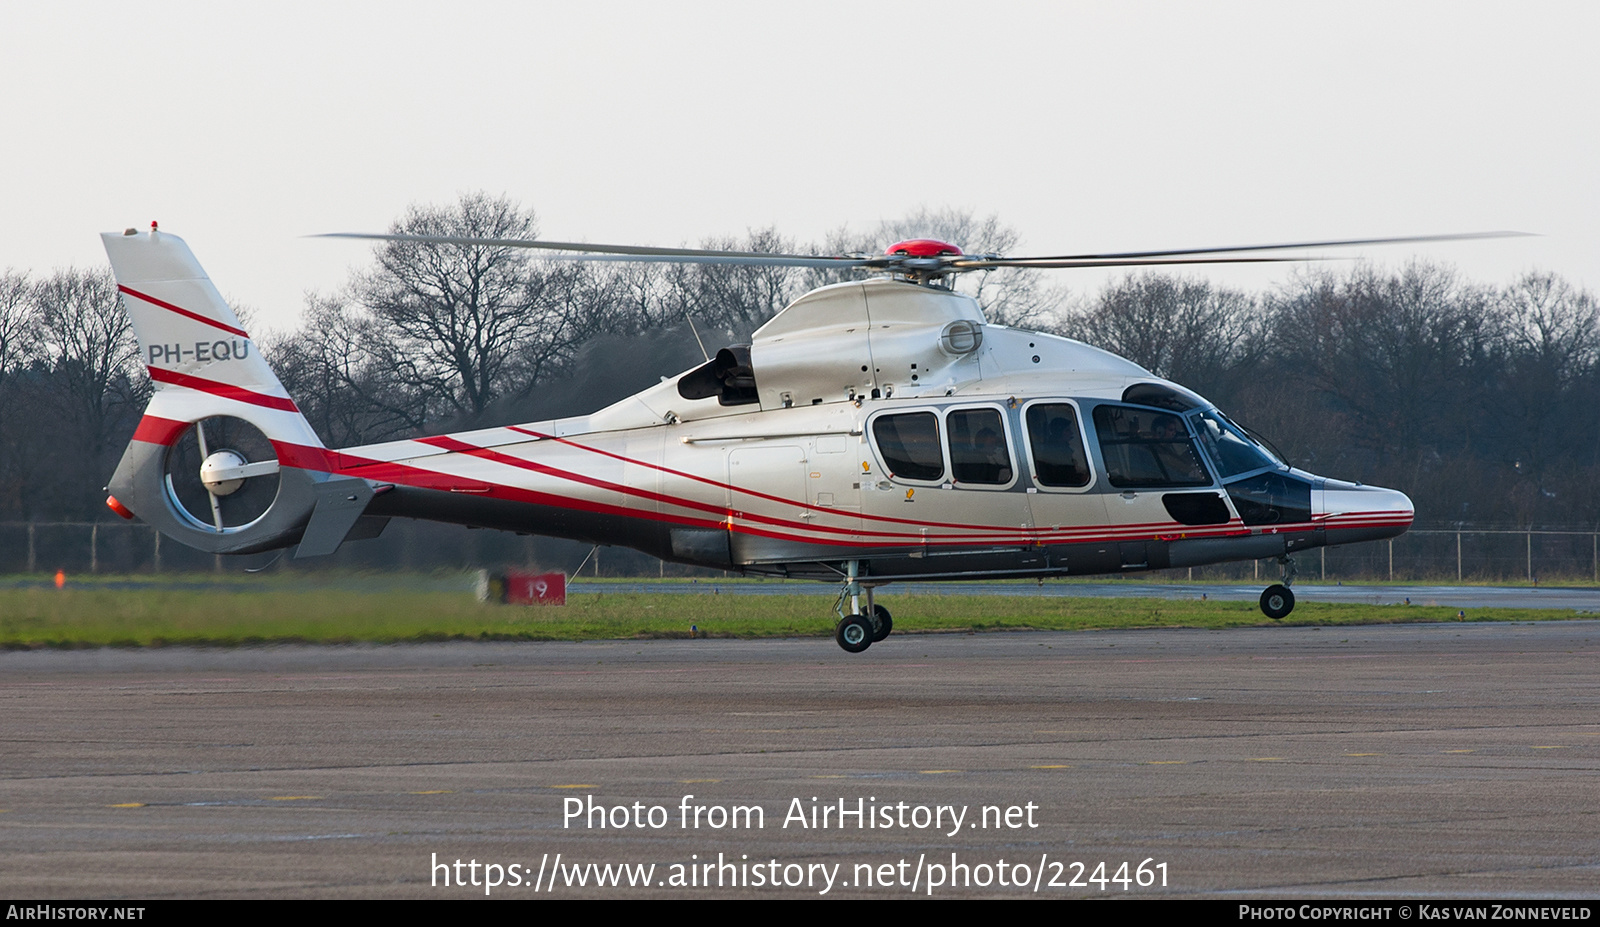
{"points": [[1576, 598], [1456, 760]]}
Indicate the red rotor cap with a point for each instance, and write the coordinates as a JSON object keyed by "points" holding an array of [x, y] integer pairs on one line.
{"points": [[922, 247]]}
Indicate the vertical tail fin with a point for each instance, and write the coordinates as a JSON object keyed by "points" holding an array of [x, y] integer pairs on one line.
{"points": [[202, 360], [222, 459]]}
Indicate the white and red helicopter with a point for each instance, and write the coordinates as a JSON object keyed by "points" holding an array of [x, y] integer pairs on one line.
{"points": [[872, 431]]}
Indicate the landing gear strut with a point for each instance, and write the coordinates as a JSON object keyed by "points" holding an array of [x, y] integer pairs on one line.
{"points": [[1277, 601], [859, 629]]}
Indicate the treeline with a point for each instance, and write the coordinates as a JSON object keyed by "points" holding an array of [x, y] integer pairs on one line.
{"points": [[1476, 400]]}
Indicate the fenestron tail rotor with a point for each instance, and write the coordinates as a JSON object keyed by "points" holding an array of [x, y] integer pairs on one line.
{"points": [[222, 472]]}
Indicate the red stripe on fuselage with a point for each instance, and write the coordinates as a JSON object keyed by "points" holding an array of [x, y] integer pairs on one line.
{"points": [[225, 390], [987, 535], [736, 522], [184, 312], [888, 519]]}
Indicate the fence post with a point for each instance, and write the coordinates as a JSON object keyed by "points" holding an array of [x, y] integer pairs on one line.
{"points": [[1530, 555], [94, 548], [1324, 564], [1391, 560], [157, 533], [1458, 556], [33, 563]]}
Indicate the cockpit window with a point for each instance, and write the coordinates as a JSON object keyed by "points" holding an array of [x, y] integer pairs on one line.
{"points": [[1229, 449], [909, 444], [1144, 448]]}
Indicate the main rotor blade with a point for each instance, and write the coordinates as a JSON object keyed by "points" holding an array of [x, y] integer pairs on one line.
{"points": [[685, 255], [1047, 263], [755, 258], [1339, 243]]}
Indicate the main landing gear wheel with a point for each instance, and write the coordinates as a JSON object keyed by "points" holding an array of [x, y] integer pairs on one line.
{"points": [[885, 624], [1277, 602], [855, 633]]}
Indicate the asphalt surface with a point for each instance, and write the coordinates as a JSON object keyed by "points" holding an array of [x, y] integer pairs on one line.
{"points": [[1423, 761], [1463, 597]]}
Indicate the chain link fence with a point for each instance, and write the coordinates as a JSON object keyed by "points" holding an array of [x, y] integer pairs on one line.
{"points": [[1467, 554]]}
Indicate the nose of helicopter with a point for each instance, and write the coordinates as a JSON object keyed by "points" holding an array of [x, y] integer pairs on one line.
{"points": [[1354, 512]]}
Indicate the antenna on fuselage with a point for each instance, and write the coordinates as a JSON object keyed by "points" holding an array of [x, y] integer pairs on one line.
{"points": [[690, 319]]}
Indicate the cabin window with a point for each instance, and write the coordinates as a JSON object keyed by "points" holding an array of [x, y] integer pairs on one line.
{"points": [[1057, 445], [909, 444], [978, 449], [1144, 448]]}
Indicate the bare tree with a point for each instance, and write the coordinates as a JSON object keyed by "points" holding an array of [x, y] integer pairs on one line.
{"points": [[1183, 329], [87, 381], [338, 367], [1399, 360], [90, 346], [736, 297], [459, 313], [18, 327]]}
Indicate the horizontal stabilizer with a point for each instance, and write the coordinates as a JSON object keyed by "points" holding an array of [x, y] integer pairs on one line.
{"points": [[339, 505]]}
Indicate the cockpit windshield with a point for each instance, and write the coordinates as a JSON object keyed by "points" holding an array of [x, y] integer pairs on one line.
{"points": [[1228, 447]]}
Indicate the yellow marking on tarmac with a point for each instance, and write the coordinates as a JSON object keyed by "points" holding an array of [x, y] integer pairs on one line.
{"points": [[1363, 754], [1552, 747], [1458, 751], [580, 785], [936, 772], [693, 781], [434, 792], [296, 798], [1165, 762], [1266, 759], [827, 777], [128, 804], [1050, 767]]}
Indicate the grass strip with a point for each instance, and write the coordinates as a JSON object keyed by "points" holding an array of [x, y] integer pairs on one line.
{"points": [[89, 617]]}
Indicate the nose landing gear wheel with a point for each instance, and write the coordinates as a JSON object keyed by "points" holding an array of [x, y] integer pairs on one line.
{"points": [[884, 624], [854, 633], [1277, 602]]}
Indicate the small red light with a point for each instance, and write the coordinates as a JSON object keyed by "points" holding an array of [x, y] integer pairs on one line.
{"points": [[922, 247], [152, 225], [119, 508]]}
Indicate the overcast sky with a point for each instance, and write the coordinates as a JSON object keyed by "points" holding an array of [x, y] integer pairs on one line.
{"points": [[1087, 126]]}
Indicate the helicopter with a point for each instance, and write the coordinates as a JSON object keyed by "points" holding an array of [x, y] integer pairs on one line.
{"points": [[873, 431]]}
